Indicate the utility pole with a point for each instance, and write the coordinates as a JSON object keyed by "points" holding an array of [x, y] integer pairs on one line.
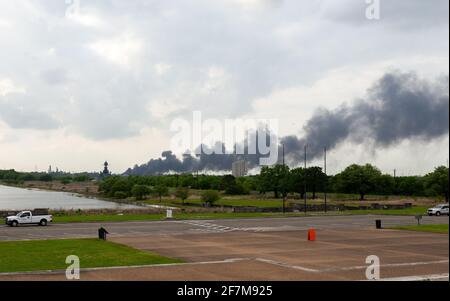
{"points": [[326, 176], [284, 184], [304, 182]]}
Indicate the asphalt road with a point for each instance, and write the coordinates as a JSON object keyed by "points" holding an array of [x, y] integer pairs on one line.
{"points": [[130, 229]]}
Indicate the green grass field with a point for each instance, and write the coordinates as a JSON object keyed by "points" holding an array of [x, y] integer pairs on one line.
{"points": [[153, 217], [43, 255], [409, 211], [425, 228]]}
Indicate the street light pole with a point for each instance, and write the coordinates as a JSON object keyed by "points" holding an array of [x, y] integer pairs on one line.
{"points": [[304, 182], [284, 188], [326, 177]]}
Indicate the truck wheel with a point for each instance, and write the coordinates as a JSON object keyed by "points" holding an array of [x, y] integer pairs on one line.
{"points": [[14, 224], [438, 213], [43, 222]]}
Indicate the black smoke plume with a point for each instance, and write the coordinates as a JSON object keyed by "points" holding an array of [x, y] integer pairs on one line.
{"points": [[399, 106]]}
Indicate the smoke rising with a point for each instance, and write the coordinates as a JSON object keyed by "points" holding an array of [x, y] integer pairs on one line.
{"points": [[398, 106]]}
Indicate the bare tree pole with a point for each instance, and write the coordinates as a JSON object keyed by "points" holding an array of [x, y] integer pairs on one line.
{"points": [[284, 188], [326, 176], [304, 182]]}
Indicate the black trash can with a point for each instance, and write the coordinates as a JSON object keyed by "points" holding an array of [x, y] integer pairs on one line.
{"points": [[102, 233], [378, 223]]}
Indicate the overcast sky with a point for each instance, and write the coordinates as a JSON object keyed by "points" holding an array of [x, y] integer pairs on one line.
{"points": [[78, 87]]}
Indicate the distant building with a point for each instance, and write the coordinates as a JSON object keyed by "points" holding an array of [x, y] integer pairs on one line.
{"points": [[106, 171], [239, 168]]}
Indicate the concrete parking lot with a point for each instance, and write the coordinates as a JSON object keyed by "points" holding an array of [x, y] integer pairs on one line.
{"points": [[127, 229], [265, 249]]}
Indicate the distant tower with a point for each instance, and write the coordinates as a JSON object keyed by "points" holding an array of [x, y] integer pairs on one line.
{"points": [[106, 170], [50, 169]]}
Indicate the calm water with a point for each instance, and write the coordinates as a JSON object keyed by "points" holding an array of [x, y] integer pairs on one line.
{"points": [[19, 199]]}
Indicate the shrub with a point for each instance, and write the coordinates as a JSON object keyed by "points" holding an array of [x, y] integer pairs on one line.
{"points": [[182, 193], [139, 191], [120, 195], [161, 190], [210, 196]]}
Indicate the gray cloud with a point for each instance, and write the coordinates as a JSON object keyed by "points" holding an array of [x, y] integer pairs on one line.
{"points": [[18, 113], [54, 76], [278, 45], [399, 106], [223, 57]]}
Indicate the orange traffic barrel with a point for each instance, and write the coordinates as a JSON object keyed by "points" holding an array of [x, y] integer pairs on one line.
{"points": [[312, 235]]}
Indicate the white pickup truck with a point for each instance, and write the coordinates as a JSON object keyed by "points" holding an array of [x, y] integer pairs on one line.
{"points": [[27, 218]]}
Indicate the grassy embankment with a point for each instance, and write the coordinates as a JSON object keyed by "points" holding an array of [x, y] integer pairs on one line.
{"points": [[21, 256], [425, 228], [224, 215]]}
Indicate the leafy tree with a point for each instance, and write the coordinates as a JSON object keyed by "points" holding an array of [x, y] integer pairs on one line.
{"points": [[315, 179], [139, 191], [409, 186], [46, 178], [120, 195], [437, 183], [161, 190], [210, 197], [385, 185], [186, 180], [358, 179], [182, 193], [231, 186], [27, 177], [297, 181], [106, 185], [275, 179], [122, 185], [81, 178]]}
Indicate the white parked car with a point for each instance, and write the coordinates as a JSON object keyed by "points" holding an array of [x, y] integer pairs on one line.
{"points": [[27, 218], [438, 210]]}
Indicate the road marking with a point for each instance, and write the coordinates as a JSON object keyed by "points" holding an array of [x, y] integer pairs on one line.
{"points": [[213, 228], [286, 265], [297, 267], [406, 264], [418, 278]]}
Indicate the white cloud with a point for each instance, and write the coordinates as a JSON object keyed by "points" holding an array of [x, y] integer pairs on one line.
{"points": [[85, 19], [7, 86], [163, 109], [121, 50], [85, 154], [162, 68]]}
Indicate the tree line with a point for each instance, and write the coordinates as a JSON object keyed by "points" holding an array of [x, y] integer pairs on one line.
{"points": [[14, 177], [279, 180]]}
